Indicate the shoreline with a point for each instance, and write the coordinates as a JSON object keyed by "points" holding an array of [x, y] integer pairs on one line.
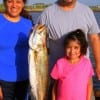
{"points": [[41, 9]]}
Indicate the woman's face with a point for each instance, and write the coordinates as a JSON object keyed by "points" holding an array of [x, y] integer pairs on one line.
{"points": [[14, 7]]}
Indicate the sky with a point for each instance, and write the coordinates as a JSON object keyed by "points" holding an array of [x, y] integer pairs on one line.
{"points": [[87, 2]]}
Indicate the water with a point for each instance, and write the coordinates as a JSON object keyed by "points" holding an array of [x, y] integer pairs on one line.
{"points": [[35, 16], [97, 15], [96, 83]]}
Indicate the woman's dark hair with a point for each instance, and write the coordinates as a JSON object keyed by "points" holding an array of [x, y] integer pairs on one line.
{"points": [[77, 35]]}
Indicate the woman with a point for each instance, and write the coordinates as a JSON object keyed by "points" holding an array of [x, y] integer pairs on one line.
{"points": [[14, 32]]}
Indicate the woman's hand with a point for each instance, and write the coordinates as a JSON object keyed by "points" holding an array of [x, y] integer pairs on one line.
{"points": [[1, 94]]}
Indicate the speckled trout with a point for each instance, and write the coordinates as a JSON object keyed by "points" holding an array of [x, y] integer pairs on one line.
{"points": [[38, 63]]}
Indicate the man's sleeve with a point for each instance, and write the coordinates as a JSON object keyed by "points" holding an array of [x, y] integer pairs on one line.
{"points": [[93, 25]]}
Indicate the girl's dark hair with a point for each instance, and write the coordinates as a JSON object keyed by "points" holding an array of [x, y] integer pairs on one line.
{"points": [[77, 35]]}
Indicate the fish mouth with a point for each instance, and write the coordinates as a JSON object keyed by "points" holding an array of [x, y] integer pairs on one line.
{"points": [[41, 28]]}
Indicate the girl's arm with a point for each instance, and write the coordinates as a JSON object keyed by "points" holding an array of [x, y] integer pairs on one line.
{"points": [[54, 90], [89, 89]]}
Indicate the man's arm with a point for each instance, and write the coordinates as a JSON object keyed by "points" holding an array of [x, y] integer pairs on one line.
{"points": [[95, 44]]}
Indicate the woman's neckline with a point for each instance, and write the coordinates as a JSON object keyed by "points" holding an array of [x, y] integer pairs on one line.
{"points": [[12, 20]]}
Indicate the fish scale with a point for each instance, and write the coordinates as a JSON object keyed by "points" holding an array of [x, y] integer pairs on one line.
{"points": [[38, 63]]}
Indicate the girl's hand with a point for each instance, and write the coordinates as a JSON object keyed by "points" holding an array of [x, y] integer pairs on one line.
{"points": [[1, 94]]}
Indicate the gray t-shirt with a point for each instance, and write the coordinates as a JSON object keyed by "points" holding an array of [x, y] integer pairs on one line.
{"points": [[60, 22]]}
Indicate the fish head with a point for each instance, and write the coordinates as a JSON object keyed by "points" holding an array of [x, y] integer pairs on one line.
{"points": [[39, 37]]}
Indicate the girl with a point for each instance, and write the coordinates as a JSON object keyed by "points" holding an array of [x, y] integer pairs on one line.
{"points": [[73, 73]]}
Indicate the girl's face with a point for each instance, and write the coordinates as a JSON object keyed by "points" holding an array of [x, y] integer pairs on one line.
{"points": [[14, 7], [73, 50]]}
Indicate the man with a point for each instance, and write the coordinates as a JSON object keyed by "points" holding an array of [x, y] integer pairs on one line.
{"points": [[65, 16]]}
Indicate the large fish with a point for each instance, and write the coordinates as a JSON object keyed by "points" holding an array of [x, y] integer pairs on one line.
{"points": [[38, 63]]}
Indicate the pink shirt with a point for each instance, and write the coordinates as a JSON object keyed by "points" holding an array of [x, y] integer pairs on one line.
{"points": [[72, 78]]}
